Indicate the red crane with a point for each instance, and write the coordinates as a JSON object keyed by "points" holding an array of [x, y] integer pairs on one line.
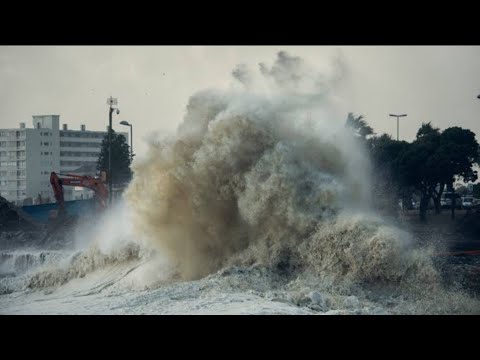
{"points": [[95, 184]]}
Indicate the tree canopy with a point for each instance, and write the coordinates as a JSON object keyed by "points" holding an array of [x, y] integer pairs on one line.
{"points": [[121, 172]]}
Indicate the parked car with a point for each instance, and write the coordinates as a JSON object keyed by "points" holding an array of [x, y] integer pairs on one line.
{"points": [[467, 202]]}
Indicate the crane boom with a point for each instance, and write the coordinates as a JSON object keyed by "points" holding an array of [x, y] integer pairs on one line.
{"points": [[95, 184]]}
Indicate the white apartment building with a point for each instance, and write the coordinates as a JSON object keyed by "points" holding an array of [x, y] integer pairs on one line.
{"points": [[29, 155]]}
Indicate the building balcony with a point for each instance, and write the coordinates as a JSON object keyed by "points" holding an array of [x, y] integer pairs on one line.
{"points": [[13, 158]]}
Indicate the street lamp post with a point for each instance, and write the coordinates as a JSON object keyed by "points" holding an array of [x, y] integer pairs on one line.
{"points": [[398, 116], [110, 101], [126, 123]]}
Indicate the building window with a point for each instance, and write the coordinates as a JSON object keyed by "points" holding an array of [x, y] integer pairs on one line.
{"points": [[80, 144], [75, 163]]}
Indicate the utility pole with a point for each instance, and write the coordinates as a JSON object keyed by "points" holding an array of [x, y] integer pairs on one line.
{"points": [[398, 116], [110, 101], [131, 143]]}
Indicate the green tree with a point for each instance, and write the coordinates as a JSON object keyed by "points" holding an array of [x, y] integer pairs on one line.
{"points": [[121, 172], [457, 153], [422, 162], [389, 181], [435, 158], [425, 166]]}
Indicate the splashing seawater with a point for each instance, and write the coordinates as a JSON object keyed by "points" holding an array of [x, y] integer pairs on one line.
{"points": [[248, 167]]}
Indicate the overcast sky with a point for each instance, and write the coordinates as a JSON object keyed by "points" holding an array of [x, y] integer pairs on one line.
{"points": [[153, 84]]}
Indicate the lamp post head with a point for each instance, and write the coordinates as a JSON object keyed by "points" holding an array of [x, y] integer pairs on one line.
{"points": [[112, 101], [124, 123], [478, 97]]}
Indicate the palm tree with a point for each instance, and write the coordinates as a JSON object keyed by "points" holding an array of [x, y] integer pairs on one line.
{"points": [[359, 126]]}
